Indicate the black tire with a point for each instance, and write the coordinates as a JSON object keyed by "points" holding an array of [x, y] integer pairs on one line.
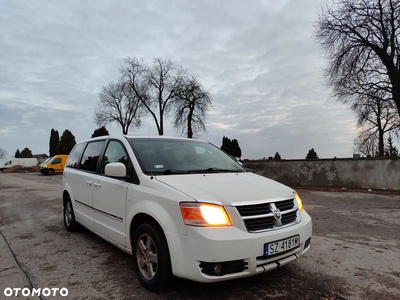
{"points": [[69, 216], [50, 172], [149, 242]]}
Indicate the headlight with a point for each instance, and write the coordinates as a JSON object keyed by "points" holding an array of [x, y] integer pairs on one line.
{"points": [[299, 202], [204, 214]]}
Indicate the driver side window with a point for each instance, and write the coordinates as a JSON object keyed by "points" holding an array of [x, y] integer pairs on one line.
{"points": [[115, 152]]}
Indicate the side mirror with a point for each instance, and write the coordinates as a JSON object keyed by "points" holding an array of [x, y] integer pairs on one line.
{"points": [[115, 170]]}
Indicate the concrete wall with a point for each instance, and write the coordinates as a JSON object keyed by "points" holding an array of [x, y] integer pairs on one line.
{"points": [[356, 173]]}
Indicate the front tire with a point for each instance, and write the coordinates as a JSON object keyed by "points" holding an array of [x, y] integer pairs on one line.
{"points": [[50, 172], [69, 216], [151, 257]]}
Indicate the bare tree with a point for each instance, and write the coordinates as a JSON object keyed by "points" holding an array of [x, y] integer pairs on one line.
{"points": [[375, 117], [366, 144], [155, 87], [118, 103], [3, 153], [191, 107], [361, 41]]}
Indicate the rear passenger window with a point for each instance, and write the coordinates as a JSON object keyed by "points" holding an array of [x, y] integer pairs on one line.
{"points": [[91, 156], [74, 156], [115, 153]]}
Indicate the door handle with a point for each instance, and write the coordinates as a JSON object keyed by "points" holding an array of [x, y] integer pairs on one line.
{"points": [[97, 184], [88, 182]]}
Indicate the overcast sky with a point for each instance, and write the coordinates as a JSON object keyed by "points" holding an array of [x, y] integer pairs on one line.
{"points": [[258, 58]]}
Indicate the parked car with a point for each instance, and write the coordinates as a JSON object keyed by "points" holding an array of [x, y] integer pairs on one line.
{"points": [[12, 162], [182, 208], [55, 165], [45, 162]]}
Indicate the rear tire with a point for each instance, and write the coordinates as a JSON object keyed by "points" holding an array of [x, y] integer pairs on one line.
{"points": [[69, 216], [152, 262]]}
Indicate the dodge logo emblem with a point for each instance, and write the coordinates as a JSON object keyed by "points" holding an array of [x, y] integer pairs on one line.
{"points": [[277, 214]]}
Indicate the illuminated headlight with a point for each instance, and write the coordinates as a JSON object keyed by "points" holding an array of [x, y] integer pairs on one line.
{"points": [[299, 202], [204, 214]]}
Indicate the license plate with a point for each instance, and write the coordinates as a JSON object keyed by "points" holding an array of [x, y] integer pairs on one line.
{"points": [[281, 246]]}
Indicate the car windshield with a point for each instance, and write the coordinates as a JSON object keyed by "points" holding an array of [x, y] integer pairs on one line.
{"points": [[179, 156], [47, 160]]}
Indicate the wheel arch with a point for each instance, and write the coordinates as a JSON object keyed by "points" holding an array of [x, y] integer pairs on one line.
{"points": [[65, 194], [67, 191], [141, 218], [168, 218]]}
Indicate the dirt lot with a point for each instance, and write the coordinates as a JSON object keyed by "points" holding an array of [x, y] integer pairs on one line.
{"points": [[355, 251]]}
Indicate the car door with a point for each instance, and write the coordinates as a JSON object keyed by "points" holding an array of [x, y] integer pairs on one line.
{"points": [[56, 164], [109, 196], [81, 182]]}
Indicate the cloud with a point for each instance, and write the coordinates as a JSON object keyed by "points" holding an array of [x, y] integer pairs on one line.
{"points": [[258, 59]]}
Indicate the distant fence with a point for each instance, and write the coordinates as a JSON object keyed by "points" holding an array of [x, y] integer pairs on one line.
{"points": [[346, 172]]}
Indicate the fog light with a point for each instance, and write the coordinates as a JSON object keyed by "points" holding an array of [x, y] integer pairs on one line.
{"points": [[218, 269]]}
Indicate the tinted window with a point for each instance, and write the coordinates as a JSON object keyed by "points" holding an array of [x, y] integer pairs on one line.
{"points": [[115, 152], [74, 156], [91, 156]]}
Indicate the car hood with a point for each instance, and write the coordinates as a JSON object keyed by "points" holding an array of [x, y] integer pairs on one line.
{"points": [[227, 188]]}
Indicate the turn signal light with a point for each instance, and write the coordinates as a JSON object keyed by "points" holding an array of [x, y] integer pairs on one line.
{"points": [[299, 202]]}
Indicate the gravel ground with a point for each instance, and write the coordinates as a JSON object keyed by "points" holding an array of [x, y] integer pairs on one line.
{"points": [[355, 251]]}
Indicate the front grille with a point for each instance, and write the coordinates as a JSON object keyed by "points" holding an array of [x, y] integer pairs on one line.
{"points": [[260, 217], [285, 204], [289, 217]]}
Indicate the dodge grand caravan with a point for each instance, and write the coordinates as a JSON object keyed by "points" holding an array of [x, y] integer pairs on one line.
{"points": [[182, 208]]}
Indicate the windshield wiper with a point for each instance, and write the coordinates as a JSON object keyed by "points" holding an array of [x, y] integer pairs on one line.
{"points": [[175, 171], [209, 170], [217, 170]]}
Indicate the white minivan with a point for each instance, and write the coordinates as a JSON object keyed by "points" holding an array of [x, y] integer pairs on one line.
{"points": [[182, 208]]}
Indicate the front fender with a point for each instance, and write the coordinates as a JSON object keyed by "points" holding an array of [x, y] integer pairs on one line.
{"points": [[66, 188], [167, 215]]}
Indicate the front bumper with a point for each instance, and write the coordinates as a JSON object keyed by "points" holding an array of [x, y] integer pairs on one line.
{"points": [[44, 171], [195, 254]]}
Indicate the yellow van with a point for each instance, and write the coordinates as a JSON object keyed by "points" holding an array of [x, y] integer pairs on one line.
{"points": [[55, 165]]}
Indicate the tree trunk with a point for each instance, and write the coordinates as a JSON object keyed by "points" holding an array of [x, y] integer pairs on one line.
{"points": [[396, 91], [381, 150], [381, 145], [189, 129], [161, 126]]}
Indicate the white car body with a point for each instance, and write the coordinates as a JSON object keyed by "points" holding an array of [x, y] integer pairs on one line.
{"points": [[12, 162], [112, 208]]}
